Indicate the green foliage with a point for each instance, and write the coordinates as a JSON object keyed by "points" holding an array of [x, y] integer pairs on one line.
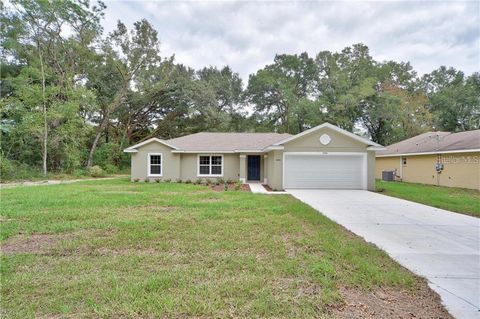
{"points": [[238, 185], [97, 171], [74, 92]]}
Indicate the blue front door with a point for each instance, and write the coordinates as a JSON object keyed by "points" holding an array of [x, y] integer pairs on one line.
{"points": [[253, 167]]}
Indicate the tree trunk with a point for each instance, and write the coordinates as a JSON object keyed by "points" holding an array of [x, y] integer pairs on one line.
{"points": [[45, 119], [110, 109]]}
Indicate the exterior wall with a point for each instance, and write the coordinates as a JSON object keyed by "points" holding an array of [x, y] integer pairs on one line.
{"points": [[275, 169], [170, 162], [189, 167], [371, 170], [460, 169], [387, 164], [311, 143]]}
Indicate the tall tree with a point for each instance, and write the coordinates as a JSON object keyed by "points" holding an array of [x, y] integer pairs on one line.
{"points": [[129, 52]]}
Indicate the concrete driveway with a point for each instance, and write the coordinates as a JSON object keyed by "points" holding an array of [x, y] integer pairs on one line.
{"points": [[442, 246]]}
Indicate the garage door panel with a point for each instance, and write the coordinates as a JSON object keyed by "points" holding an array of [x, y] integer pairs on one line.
{"points": [[324, 171]]}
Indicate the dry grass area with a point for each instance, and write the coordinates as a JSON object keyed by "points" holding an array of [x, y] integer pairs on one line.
{"points": [[114, 249]]}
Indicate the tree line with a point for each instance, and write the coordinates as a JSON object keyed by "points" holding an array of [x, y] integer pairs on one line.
{"points": [[73, 96]]}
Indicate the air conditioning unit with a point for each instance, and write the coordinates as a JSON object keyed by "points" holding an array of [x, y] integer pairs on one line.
{"points": [[388, 176]]}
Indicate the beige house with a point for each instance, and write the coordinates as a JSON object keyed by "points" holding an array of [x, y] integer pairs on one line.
{"points": [[325, 156], [437, 158]]}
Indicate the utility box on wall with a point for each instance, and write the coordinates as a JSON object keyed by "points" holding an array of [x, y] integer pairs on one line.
{"points": [[388, 176]]}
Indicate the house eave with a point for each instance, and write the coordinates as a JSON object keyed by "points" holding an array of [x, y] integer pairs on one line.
{"points": [[431, 153]]}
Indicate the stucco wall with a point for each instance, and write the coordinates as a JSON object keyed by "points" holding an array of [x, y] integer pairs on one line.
{"points": [[274, 169], [170, 162], [386, 164], [189, 164], [311, 143], [460, 169]]}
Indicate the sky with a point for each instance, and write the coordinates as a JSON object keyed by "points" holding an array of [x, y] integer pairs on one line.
{"points": [[247, 35]]}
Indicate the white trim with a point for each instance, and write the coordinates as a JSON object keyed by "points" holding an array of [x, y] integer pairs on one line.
{"points": [[431, 153], [362, 154], [203, 152], [161, 165], [333, 127], [209, 175], [132, 149], [273, 148], [376, 148]]}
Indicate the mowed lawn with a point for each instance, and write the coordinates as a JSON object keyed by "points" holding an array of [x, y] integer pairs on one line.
{"points": [[460, 200], [113, 248]]}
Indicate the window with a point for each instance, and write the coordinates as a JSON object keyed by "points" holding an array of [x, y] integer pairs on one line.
{"points": [[210, 165], [154, 164]]}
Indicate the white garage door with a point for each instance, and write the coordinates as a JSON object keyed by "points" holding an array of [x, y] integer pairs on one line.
{"points": [[331, 171]]}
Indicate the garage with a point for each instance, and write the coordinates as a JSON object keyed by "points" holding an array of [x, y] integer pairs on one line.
{"points": [[325, 170]]}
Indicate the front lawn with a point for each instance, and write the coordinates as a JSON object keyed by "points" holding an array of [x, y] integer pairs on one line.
{"points": [[460, 200], [112, 248]]}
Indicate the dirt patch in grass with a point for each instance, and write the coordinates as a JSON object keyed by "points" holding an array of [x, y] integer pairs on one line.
{"points": [[231, 187], [391, 303], [210, 200], [37, 243]]}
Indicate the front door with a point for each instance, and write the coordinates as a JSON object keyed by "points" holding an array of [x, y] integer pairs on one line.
{"points": [[253, 167]]}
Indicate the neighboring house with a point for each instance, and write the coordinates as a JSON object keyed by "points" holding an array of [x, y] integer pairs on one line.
{"points": [[325, 156], [438, 158]]}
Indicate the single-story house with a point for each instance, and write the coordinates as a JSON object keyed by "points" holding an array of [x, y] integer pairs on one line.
{"points": [[325, 156], [437, 158]]}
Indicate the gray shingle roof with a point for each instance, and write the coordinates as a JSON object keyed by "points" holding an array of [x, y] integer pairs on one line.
{"points": [[226, 141], [435, 142]]}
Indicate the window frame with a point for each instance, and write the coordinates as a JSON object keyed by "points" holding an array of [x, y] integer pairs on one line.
{"points": [[210, 165], [149, 174]]}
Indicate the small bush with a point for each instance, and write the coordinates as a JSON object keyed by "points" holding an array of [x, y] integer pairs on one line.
{"points": [[157, 180], [136, 180], [230, 181], [111, 169], [188, 181], [198, 181], [220, 180], [167, 180], [238, 185], [147, 180], [178, 180], [96, 171]]}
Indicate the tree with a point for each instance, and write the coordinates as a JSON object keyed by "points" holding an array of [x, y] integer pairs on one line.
{"points": [[34, 39], [454, 99], [130, 53], [280, 92]]}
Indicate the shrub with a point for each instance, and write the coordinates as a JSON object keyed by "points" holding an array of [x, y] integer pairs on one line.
{"points": [[220, 180], [198, 181], [157, 180], [136, 180], [178, 180], [230, 181], [110, 169], [188, 181], [147, 180], [238, 185], [167, 180], [96, 171]]}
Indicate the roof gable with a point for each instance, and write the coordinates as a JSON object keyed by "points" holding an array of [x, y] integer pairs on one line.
{"points": [[332, 127], [134, 148]]}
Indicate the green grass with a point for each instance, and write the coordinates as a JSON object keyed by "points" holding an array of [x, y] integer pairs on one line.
{"points": [[460, 200], [126, 249]]}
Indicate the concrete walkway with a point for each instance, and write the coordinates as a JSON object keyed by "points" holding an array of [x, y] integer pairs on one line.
{"points": [[442, 246], [258, 188]]}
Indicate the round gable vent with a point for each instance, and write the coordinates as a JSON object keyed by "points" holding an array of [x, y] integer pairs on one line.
{"points": [[325, 139]]}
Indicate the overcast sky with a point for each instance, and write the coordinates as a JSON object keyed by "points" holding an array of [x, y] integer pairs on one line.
{"points": [[247, 35]]}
